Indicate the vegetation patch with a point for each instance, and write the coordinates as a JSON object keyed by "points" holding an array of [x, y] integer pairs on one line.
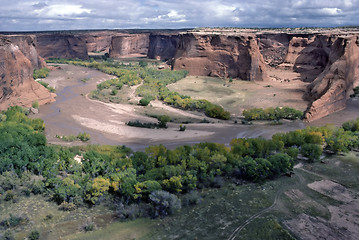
{"points": [[272, 114], [41, 73], [84, 137], [154, 85], [46, 85]]}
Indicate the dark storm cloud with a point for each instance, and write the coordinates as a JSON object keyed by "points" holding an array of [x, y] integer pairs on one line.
{"points": [[29, 15]]}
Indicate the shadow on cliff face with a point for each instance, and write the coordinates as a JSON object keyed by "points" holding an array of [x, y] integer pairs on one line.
{"points": [[313, 58]]}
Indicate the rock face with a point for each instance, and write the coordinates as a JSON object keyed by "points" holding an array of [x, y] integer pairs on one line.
{"points": [[163, 46], [17, 87], [61, 46], [308, 55], [27, 46], [331, 89], [98, 41], [129, 45], [220, 56]]}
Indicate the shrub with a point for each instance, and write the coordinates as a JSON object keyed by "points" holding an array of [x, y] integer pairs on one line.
{"points": [[14, 221], [145, 101], [8, 235], [41, 73], [37, 187], [9, 195], [9, 180], [114, 92], [34, 235], [35, 104], [129, 212], [192, 198], [311, 151], [272, 114], [89, 225], [163, 120], [182, 128], [164, 203], [84, 137], [66, 206]]}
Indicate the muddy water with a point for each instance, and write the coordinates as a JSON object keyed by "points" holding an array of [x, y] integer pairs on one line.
{"points": [[60, 116]]}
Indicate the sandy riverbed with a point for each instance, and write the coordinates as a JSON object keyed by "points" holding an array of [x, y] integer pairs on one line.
{"points": [[74, 112]]}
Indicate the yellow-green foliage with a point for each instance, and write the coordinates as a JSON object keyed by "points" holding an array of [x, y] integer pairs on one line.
{"points": [[272, 114], [41, 73]]}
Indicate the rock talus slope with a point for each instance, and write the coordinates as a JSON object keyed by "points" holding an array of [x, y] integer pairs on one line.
{"points": [[17, 87]]}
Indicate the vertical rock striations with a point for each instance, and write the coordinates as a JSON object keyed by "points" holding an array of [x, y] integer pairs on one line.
{"points": [[129, 45], [58, 45], [220, 56], [163, 46], [332, 88], [17, 87], [27, 46]]}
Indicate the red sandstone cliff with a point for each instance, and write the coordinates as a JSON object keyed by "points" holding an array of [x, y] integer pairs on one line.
{"points": [[163, 46], [332, 88], [98, 41], [61, 46], [17, 87], [129, 45], [220, 56], [27, 46]]}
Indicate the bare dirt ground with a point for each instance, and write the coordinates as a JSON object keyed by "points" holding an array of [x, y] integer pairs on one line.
{"points": [[284, 89], [73, 112], [343, 211]]}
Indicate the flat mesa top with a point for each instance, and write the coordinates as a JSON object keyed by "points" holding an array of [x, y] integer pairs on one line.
{"points": [[243, 31]]}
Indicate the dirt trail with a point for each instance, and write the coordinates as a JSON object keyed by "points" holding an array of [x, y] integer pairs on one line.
{"points": [[253, 217]]}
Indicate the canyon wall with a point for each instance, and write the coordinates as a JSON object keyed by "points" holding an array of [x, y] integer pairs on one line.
{"points": [[17, 86], [163, 46], [27, 46], [330, 91], [128, 45], [329, 61], [58, 45], [220, 56], [98, 41]]}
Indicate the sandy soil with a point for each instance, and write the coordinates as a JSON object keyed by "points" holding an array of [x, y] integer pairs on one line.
{"points": [[284, 89], [73, 112], [343, 222]]}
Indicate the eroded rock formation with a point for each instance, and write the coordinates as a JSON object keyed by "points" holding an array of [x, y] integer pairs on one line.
{"points": [[61, 46], [17, 87], [98, 41], [163, 46], [220, 56], [127, 45], [27, 46], [332, 88]]}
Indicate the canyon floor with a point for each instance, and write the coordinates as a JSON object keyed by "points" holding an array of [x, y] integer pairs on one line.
{"points": [[74, 112], [318, 201]]}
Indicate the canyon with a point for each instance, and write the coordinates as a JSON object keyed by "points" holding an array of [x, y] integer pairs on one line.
{"points": [[18, 59], [328, 59]]}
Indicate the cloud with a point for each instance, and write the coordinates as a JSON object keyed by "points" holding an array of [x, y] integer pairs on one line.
{"points": [[27, 15], [61, 10]]}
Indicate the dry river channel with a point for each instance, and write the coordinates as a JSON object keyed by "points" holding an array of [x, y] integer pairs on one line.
{"points": [[74, 112]]}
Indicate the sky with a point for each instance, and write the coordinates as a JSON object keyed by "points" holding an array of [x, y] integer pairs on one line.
{"points": [[32, 15]]}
